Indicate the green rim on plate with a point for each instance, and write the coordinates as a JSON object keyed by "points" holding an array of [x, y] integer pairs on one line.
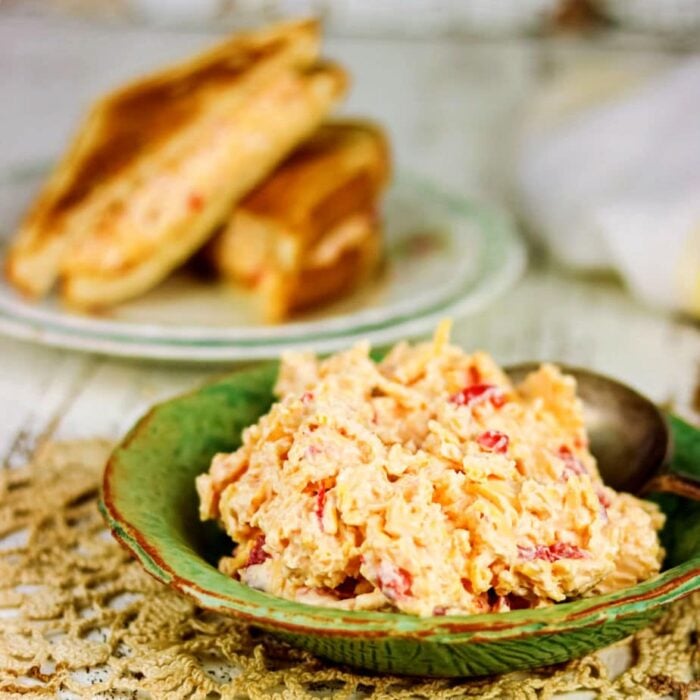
{"points": [[150, 503]]}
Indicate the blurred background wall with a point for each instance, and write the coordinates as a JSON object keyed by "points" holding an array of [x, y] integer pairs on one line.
{"points": [[578, 115]]}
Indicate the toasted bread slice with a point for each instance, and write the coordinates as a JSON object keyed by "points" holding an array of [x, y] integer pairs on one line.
{"points": [[313, 211], [141, 134], [136, 242], [333, 268]]}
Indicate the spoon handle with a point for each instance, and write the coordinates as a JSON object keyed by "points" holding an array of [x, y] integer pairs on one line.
{"points": [[672, 483]]}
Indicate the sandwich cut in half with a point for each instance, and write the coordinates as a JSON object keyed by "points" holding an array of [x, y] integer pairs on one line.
{"points": [[160, 163], [311, 231]]}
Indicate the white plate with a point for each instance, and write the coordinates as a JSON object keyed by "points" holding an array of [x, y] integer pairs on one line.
{"points": [[445, 256]]}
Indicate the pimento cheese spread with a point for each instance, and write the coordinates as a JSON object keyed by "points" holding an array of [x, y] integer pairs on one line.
{"points": [[428, 484]]}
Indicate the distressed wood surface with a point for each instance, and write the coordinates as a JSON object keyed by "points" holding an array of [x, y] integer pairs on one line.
{"points": [[54, 394]]}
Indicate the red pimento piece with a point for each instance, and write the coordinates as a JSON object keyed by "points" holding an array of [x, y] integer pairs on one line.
{"points": [[562, 550], [257, 555], [473, 375], [572, 464], [605, 503], [195, 201], [394, 582], [493, 441], [498, 399], [478, 393], [552, 552], [603, 498], [320, 504]]}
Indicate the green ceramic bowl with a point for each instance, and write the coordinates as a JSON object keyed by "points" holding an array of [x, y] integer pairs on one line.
{"points": [[150, 503]]}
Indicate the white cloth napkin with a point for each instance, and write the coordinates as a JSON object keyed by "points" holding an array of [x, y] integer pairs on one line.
{"points": [[617, 184]]}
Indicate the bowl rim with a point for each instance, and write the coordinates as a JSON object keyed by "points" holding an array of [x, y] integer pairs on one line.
{"points": [[277, 613]]}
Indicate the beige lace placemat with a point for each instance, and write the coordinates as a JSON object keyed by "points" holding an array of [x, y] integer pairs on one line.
{"points": [[79, 618]]}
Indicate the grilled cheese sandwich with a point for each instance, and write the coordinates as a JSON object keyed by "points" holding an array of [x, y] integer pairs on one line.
{"points": [[161, 162], [310, 231]]}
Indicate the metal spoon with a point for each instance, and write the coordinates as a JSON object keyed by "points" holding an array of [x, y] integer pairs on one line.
{"points": [[629, 436]]}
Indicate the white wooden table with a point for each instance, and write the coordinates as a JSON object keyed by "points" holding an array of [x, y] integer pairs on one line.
{"points": [[54, 394], [450, 109]]}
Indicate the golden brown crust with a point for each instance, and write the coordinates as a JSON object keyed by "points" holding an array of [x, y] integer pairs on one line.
{"points": [[146, 120], [180, 207], [140, 116], [285, 293], [341, 169], [302, 208]]}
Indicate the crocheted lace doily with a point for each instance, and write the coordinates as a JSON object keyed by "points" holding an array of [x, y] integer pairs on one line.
{"points": [[79, 618]]}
